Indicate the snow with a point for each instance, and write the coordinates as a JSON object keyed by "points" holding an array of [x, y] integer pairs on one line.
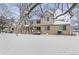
{"points": [[58, 12], [76, 24], [64, 17], [50, 11], [61, 22], [26, 25], [38, 44]]}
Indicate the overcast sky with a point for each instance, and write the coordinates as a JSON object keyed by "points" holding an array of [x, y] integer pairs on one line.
{"points": [[16, 11]]}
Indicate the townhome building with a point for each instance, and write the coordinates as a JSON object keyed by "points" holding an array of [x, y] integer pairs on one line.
{"points": [[48, 24]]}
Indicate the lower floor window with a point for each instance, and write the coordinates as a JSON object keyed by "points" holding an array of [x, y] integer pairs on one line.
{"points": [[62, 27], [47, 28], [38, 28]]}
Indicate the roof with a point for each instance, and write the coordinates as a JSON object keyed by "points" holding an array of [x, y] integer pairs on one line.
{"points": [[50, 11], [33, 19], [26, 25], [61, 23], [76, 24], [59, 11]]}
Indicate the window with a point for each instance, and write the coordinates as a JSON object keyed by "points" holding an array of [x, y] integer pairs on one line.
{"points": [[38, 21], [60, 27], [64, 27], [47, 28], [12, 28], [38, 28], [24, 22], [31, 22], [47, 18]]}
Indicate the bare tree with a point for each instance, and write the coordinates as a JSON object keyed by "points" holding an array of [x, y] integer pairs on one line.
{"points": [[2, 23], [69, 10]]}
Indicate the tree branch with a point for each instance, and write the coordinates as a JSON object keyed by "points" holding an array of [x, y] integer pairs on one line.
{"points": [[33, 8], [69, 10], [41, 8]]}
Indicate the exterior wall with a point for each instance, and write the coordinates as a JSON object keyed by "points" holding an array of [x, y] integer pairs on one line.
{"points": [[43, 19], [54, 30], [44, 23], [42, 30], [68, 30]]}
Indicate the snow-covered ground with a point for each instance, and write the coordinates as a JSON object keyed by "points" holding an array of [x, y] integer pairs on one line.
{"points": [[38, 44]]}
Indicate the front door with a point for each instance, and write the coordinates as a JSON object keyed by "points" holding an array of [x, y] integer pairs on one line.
{"points": [[59, 32], [60, 29]]}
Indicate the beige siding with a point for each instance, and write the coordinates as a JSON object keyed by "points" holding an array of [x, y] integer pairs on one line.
{"points": [[43, 19], [68, 30], [43, 22], [53, 30]]}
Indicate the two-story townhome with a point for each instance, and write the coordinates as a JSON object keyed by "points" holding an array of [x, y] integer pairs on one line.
{"points": [[61, 27], [49, 25], [62, 24], [44, 25], [47, 21]]}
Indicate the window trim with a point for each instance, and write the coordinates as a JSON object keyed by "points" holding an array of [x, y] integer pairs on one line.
{"points": [[47, 18], [47, 28], [38, 21]]}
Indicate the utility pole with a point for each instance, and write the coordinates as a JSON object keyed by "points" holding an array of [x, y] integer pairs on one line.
{"points": [[78, 19]]}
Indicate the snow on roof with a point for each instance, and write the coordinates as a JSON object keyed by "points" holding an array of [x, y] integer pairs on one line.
{"points": [[61, 23], [58, 12], [33, 19], [76, 24], [14, 24], [26, 25], [50, 11]]}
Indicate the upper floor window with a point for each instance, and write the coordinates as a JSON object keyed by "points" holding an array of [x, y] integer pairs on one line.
{"points": [[38, 21], [47, 18]]}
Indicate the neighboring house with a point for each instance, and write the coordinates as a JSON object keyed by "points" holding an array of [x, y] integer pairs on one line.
{"points": [[35, 26], [76, 27], [24, 27]]}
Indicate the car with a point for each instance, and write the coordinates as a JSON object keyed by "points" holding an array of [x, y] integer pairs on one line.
{"points": [[37, 32]]}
